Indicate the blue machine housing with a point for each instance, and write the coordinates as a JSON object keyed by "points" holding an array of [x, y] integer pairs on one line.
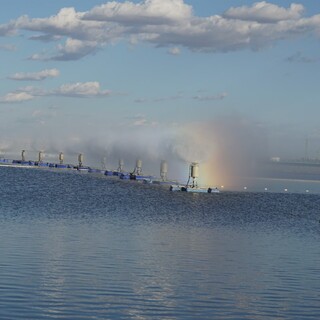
{"points": [[5, 161], [125, 176], [140, 177], [43, 164], [61, 166], [83, 168]]}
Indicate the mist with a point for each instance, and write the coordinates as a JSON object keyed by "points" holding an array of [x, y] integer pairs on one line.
{"points": [[228, 148]]}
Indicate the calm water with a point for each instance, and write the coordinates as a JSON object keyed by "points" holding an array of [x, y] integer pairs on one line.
{"points": [[75, 246]]}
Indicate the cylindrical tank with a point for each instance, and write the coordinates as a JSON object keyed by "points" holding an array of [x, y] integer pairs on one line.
{"points": [[138, 166], [194, 170], [23, 155], [121, 165], [163, 170], [80, 159], [40, 156], [61, 157]]}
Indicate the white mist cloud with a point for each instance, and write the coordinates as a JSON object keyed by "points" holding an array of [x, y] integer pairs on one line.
{"points": [[226, 147], [35, 76]]}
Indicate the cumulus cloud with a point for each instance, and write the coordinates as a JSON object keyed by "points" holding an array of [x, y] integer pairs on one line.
{"points": [[78, 90], [81, 89], [74, 49], [15, 97], [67, 22], [8, 29], [265, 12], [35, 76], [153, 12], [38, 57], [167, 23]]}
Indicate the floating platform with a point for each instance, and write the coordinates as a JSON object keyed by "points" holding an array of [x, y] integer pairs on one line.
{"points": [[164, 183], [42, 164], [93, 170], [6, 161], [61, 166], [193, 189], [141, 177]]}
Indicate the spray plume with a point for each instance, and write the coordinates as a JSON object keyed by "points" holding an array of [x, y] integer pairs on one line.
{"points": [[226, 148]]}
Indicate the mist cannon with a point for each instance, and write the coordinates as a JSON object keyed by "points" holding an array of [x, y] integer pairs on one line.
{"points": [[193, 186], [80, 159], [163, 170], [61, 157], [121, 166], [23, 155], [40, 157], [138, 169]]}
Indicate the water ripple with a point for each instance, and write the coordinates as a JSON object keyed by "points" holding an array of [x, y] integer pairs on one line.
{"points": [[80, 247]]}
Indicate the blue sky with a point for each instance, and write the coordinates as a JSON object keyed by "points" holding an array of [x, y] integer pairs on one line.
{"points": [[144, 71]]}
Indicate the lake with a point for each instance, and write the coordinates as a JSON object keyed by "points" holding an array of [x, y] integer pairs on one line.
{"points": [[83, 246]]}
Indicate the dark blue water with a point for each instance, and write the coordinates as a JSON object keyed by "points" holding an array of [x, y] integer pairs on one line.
{"points": [[77, 246]]}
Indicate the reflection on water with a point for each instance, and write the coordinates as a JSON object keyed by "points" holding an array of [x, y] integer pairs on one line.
{"points": [[81, 247]]}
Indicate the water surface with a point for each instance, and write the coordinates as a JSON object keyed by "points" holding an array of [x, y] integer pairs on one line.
{"points": [[78, 246]]}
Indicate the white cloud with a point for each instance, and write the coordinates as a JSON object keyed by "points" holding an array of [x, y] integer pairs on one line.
{"points": [[15, 97], [265, 12], [74, 49], [167, 23], [81, 89], [152, 12], [8, 29], [45, 37], [175, 51], [38, 57], [65, 23], [36, 76]]}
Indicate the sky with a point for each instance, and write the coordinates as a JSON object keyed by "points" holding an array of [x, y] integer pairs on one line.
{"points": [[183, 80]]}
